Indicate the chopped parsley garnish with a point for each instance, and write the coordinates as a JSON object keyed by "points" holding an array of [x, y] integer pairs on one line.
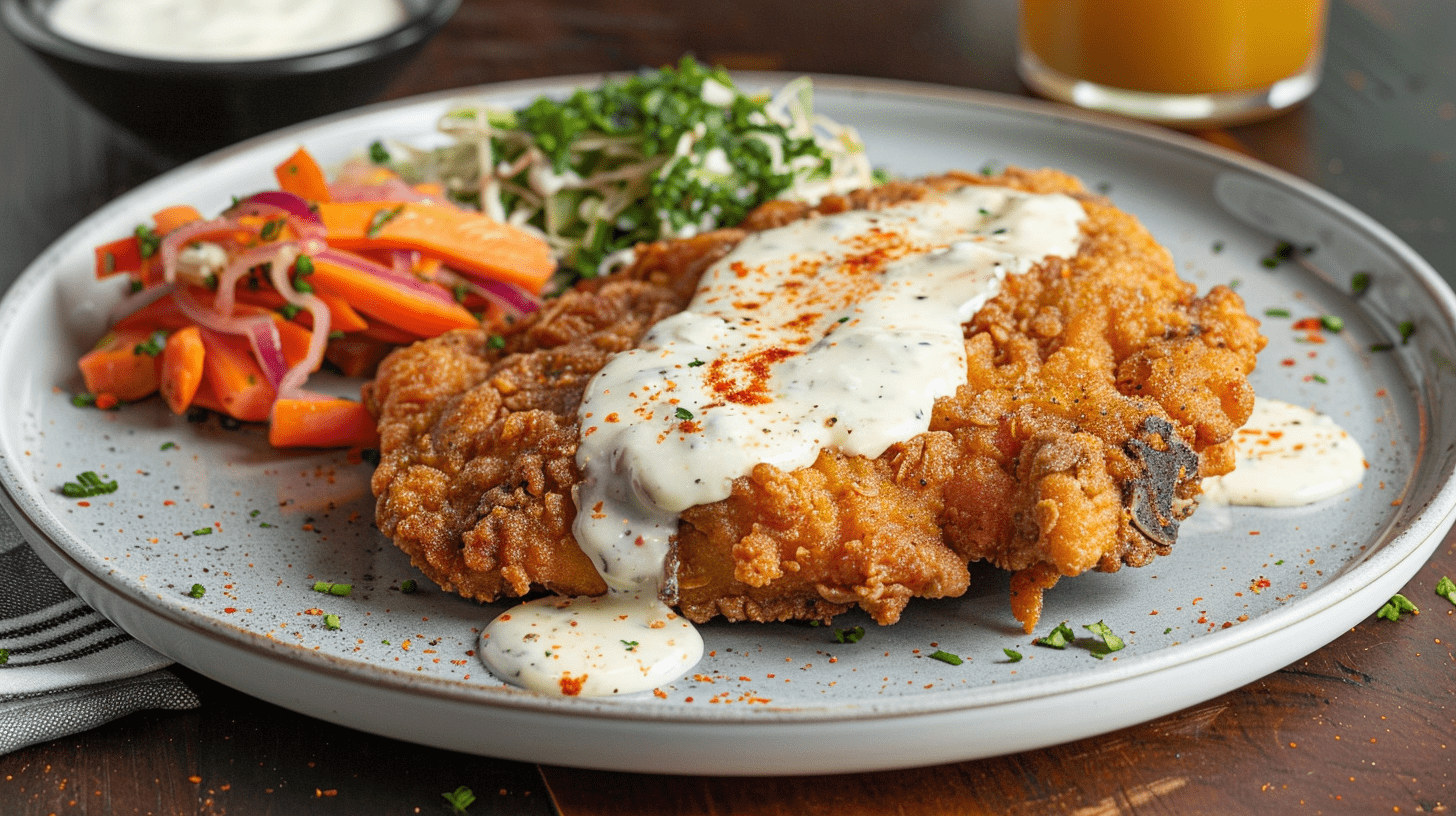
{"points": [[303, 265], [201, 531], [1276, 312], [272, 228], [1382, 346], [1217, 247], [265, 525], [495, 341], [332, 589], [1319, 378], [1446, 588], [197, 591], [631, 645], [1012, 655], [83, 400], [683, 413], [407, 586], [168, 446], [4, 656], [459, 291], [88, 484], [1058, 638], [1332, 323], [289, 310], [1407, 328], [695, 363], [381, 217], [1169, 629], [946, 657], [148, 242], [460, 798], [1397, 604], [851, 635], [1110, 642], [153, 345], [254, 514], [378, 154], [332, 621], [1359, 282]]}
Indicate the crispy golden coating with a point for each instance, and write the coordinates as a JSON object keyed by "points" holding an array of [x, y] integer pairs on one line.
{"points": [[1098, 391]]}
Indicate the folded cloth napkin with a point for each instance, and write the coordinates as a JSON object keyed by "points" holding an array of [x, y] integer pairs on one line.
{"points": [[64, 668]]}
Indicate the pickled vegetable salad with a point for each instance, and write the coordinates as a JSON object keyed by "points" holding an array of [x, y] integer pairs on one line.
{"points": [[664, 154]]}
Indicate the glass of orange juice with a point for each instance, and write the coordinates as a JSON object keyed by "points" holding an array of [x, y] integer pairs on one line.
{"points": [[1187, 63]]}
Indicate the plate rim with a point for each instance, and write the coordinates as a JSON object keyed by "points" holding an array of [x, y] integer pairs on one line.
{"points": [[1399, 547]]}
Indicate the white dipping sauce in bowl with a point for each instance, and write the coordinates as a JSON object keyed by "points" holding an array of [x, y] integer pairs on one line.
{"points": [[213, 31]]}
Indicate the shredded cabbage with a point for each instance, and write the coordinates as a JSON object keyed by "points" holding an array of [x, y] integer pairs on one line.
{"points": [[663, 154]]}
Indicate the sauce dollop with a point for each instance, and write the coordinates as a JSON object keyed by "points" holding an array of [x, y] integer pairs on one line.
{"points": [[1288, 456], [210, 31]]}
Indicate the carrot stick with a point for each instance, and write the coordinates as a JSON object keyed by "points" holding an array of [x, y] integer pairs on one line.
{"points": [[376, 298], [241, 388], [464, 240], [178, 215], [115, 366], [385, 333], [207, 398], [334, 423], [124, 255], [302, 176], [182, 368]]}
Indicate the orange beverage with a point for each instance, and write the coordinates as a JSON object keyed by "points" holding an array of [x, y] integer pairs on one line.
{"points": [[1218, 48]]}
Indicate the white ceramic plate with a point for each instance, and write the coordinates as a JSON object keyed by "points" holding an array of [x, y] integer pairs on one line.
{"points": [[1246, 591]]}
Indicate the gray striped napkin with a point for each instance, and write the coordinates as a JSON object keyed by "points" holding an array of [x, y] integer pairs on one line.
{"points": [[66, 668]]}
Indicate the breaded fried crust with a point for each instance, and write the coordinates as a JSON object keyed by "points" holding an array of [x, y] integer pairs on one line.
{"points": [[1099, 389]]}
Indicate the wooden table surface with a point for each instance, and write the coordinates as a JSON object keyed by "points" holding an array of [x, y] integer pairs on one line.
{"points": [[1363, 725]]}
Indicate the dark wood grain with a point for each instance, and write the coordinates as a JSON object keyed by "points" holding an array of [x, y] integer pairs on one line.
{"points": [[1363, 725]]}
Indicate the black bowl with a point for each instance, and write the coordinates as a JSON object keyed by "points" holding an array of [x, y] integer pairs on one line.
{"points": [[187, 108]]}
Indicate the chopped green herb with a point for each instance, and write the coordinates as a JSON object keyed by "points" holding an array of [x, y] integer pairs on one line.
{"points": [[459, 291], [152, 346], [461, 797], [946, 657], [683, 413], [87, 484], [332, 589], [852, 635], [271, 228], [171, 445], [385, 642], [1279, 563], [1058, 638], [133, 286], [83, 400], [1110, 642], [630, 644], [1269, 262], [1397, 604], [1169, 629], [844, 319], [382, 217], [197, 591], [1359, 282], [4, 656], [495, 341], [378, 154], [990, 168], [1332, 323], [695, 363], [332, 621], [407, 586], [880, 175], [200, 531], [303, 265], [289, 311], [1235, 283], [1446, 588], [254, 514], [302, 286], [147, 241], [336, 335], [265, 525], [1319, 378], [1276, 312], [1012, 655], [1382, 346], [1217, 247], [1407, 328]]}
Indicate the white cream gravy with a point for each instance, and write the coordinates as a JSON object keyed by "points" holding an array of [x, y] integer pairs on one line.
{"points": [[836, 331], [208, 30], [1288, 456]]}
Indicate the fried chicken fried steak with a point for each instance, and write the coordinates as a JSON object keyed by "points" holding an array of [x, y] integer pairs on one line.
{"points": [[1099, 390]]}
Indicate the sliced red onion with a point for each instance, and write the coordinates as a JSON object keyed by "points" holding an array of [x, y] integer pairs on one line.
{"points": [[293, 204], [309, 225], [268, 348], [291, 384], [239, 266], [182, 236], [514, 299], [402, 280], [137, 301]]}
